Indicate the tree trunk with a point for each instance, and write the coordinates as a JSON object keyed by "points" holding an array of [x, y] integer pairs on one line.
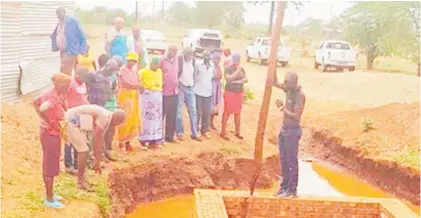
{"points": [[272, 12], [371, 55]]}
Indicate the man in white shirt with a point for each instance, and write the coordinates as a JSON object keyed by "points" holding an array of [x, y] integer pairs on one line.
{"points": [[186, 94], [94, 120]]}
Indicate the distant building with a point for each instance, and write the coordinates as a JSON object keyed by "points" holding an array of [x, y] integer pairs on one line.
{"points": [[25, 46]]}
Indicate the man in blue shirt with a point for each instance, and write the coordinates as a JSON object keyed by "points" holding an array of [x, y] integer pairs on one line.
{"points": [[69, 39]]}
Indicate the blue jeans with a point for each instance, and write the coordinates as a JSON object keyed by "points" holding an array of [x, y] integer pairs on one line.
{"points": [[70, 156], [187, 97], [288, 149]]}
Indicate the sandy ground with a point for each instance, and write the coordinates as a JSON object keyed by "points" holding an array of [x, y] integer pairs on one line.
{"points": [[330, 97]]}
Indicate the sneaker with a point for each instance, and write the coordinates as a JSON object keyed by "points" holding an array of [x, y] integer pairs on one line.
{"points": [[53, 204], [144, 147], [180, 138], [288, 194], [57, 197]]}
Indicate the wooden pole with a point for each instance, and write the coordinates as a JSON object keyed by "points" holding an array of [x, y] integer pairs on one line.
{"points": [[264, 109]]}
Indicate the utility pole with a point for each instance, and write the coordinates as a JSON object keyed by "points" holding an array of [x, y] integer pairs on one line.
{"points": [[271, 73], [162, 9], [153, 12], [137, 13]]}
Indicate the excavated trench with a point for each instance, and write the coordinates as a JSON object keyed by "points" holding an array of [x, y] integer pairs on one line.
{"points": [[180, 175], [175, 176]]}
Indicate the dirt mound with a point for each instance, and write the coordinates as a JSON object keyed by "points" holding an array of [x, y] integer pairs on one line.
{"points": [[392, 131], [180, 175]]}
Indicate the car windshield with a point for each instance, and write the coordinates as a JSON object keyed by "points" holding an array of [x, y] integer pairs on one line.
{"points": [[337, 45], [210, 35], [152, 34]]}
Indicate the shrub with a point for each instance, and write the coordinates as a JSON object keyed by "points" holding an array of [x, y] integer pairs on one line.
{"points": [[366, 124], [248, 95]]}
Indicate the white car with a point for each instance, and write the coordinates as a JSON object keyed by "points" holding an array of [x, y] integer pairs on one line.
{"points": [[154, 41], [203, 39], [259, 50], [335, 54]]}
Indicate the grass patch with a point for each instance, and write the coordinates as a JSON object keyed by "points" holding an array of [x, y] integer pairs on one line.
{"points": [[66, 186], [407, 156]]}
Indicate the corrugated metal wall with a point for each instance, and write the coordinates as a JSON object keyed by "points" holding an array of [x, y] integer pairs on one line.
{"points": [[33, 23], [9, 50]]}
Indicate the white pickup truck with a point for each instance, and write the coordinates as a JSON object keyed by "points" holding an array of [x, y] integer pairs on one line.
{"points": [[259, 50], [203, 39], [335, 54]]}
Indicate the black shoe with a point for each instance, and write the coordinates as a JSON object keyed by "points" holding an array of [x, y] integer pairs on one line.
{"points": [[288, 194]]}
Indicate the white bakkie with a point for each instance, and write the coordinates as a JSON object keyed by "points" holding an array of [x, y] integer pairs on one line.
{"points": [[335, 54], [259, 50]]}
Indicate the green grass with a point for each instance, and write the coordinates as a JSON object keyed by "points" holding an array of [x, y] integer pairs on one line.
{"points": [[66, 187], [404, 155]]}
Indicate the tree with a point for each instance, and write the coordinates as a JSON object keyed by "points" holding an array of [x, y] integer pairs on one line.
{"points": [[382, 28], [179, 13], [234, 16], [295, 4]]}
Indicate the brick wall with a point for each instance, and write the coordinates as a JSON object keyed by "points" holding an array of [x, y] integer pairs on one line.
{"points": [[239, 204], [240, 207]]}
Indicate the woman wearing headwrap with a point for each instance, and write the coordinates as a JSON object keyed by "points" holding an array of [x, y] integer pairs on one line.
{"points": [[233, 95], [116, 40], [216, 87], [128, 100], [50, 107], [151, 105]]}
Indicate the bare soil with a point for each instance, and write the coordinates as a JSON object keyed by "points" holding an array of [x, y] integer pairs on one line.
{"points": [[336, 103], [166, 178]]}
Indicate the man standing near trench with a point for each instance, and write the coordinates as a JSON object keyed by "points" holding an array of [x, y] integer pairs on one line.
{"points": [[68, 38], [290, 134]]}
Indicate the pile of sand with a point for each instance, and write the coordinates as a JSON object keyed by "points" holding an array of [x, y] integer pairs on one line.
{"points": [[394, 134]]}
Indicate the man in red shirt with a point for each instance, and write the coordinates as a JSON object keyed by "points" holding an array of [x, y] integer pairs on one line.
{"points": [[76, 95], [50, 107]]}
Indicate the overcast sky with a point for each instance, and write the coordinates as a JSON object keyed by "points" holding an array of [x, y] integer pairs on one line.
{"points": [[254, 14]]}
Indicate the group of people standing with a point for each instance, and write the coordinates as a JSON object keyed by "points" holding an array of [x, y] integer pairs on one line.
{"points": [[125, 96]]}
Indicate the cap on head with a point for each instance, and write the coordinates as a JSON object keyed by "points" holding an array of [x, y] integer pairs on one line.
{"points": [[132, 56]]}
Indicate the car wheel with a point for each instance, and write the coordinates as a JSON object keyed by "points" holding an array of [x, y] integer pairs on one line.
{"points": [[351, 68], [324, 67], [260, 60], [316, 65], [284, 63], [247, 56]]}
